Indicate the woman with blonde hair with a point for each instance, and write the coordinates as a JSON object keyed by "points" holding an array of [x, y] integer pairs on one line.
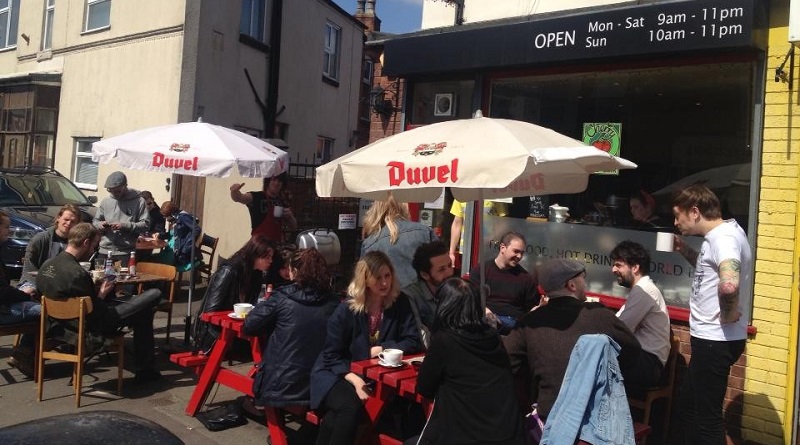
{"points": [[387, 228], [376, 316]]}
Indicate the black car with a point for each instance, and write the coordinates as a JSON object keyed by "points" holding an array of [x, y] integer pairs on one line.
{"points": [[32, 198]]}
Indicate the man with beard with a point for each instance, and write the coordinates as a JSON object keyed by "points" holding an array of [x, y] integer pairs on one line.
{"points": [[512, 290], [644, 312], [544, 339], [433, 265]]}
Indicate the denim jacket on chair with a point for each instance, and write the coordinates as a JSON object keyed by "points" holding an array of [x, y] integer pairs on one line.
{"points": [[591, 405]]}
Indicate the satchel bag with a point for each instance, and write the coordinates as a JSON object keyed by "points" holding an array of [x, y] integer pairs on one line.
{"points": [[534, 426]]}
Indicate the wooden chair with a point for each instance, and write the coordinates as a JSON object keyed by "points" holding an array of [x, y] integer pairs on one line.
{"points": [[72, 309], [208, 247], [665, 391], [170, 274], [17, 330]]}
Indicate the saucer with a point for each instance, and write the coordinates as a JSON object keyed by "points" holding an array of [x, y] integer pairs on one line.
{"points": [[386, 365], [234, 316]]}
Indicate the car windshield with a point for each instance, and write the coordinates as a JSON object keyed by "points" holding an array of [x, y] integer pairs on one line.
{"points": [[46, 190]]}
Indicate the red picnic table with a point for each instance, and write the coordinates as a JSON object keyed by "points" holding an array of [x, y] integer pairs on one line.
{"points": [[401, 381], [211, 367]]}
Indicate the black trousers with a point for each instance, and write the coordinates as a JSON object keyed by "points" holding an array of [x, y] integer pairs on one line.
{"points": [[137, 312], [343, 413]]}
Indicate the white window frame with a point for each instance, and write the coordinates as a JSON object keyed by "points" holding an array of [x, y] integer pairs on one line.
{"points": [[91, 5], [366, 75], [47, 31], [251, 29], [331, 52], [324, 151], [83, 155], [11, 19]]}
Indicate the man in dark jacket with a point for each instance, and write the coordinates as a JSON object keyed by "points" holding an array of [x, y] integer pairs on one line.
{"points": [[62, 277], [545, 337], [16, 307]]}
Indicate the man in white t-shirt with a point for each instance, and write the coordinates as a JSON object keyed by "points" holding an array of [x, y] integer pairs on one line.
{"points": [[718, 305], [644, 312]]}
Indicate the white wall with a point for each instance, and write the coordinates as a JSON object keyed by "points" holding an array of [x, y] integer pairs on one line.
{"points": [[437, 14]]}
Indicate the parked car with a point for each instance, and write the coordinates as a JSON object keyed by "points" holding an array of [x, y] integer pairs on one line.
{"points": [[32, 197]]}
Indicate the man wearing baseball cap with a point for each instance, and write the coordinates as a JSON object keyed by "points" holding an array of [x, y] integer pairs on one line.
{"points": [[544, 338], [120, 217]]}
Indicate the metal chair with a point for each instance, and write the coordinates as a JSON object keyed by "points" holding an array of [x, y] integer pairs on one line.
{"points": [[208, 248], [170, 275], [72, 309]]}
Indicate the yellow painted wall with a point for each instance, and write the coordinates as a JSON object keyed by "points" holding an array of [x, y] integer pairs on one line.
{"points": [[771, 354]]}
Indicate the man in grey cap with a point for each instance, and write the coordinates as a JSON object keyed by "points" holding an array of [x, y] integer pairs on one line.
{"points": [[544, 338], [120, 217]]}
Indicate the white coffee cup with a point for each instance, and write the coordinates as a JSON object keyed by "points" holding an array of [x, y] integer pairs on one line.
{"points": [[242, 309], [391, 357], [665, 241], [86, 265], [277, 211]]}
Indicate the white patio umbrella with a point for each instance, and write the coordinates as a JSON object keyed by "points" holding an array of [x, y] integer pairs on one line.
{"points": [[478, 158], [193, 149]]}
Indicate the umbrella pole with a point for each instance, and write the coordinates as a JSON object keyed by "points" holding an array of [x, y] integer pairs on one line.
{"points": [[188, 320]]}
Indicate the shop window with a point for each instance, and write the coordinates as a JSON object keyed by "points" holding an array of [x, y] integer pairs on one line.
{"points": [[9, 22], [98, 15], [84, 173], [681, 125], [253, 19], [47, 30], [330, 59]]}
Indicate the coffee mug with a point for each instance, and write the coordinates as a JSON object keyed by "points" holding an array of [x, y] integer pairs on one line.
{"points": [[391, 357], [277, 211], [242, 309], [665, 241], [86, 265]]}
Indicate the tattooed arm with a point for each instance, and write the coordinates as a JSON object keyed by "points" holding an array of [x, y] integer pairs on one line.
{"points": [[729, 290]]}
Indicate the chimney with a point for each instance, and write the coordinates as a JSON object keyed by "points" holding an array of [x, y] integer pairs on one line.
{"points": [[366, 15]]}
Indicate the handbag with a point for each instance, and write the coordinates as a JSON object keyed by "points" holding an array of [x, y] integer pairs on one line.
{"points": [[534, 426], [223, 417]]}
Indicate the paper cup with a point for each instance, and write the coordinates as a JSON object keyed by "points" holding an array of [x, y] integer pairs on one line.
{"points": [[242, 309], [665, 241], [277, 211]]}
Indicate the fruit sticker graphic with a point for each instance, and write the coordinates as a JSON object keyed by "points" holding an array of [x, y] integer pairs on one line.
{"points": [[606, 136]]}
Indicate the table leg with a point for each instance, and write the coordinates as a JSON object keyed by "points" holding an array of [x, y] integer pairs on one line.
{"points": [[209, 374]]}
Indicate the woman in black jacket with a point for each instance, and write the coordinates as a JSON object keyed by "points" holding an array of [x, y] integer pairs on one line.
{"points": [[293, 322], [237, 280], [376, 316], [468, 373]]}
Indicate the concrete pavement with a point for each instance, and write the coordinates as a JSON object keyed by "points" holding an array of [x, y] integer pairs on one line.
{"points": [[162, 402]]}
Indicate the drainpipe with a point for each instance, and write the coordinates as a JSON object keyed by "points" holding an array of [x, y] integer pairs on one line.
{"points": [[273, 68]]}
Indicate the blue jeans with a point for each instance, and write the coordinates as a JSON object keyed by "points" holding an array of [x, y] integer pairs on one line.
{"points": [[19, 313], [505, 324], [704, 387]]}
